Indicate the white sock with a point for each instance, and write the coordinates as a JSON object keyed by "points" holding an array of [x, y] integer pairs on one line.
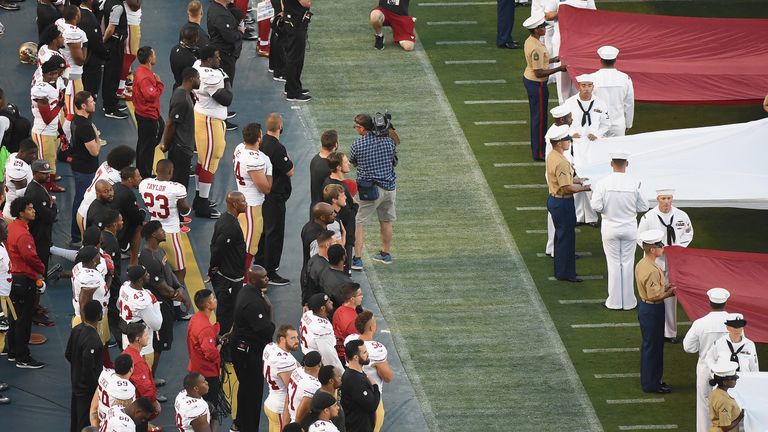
{"points": [[379, 34], [68, 254], [121, 86], [204, 189], [197, 182]]}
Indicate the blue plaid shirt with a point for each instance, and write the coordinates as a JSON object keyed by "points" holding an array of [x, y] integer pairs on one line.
{"points": [[374, 158]]}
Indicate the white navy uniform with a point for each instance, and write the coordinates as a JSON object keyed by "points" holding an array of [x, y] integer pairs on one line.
{"points": [[189, 409], [619, 199], [113, 388], [744, 352], [316, 334], [589, 117], [565, 87], [701, 338], [616, 89], [680, 223]]}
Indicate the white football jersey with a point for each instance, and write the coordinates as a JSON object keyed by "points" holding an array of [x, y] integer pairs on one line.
{"points": [[160, 197], [188, 409], [323, 426], [15, 170], [43, 55], [117, 420], [105, 172], [51, 94], [83, 277], [135, 305], [274, 362], [244, 161], [377, 353], [211, 81], [314, 329], [300, 386], [132, 17], [72, 35], [111, 389]]}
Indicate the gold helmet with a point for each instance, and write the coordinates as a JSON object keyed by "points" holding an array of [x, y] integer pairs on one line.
{"points": [[28, 53]]}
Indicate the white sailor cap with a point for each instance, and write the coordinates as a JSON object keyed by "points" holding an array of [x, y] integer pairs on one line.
{"points": [[619, 155], [608, 52], [725, 368], [534, 21], [664, 192], [584, 78], [557, 132], [735, 320], [718, 295], [559, 111], [652, 237]]}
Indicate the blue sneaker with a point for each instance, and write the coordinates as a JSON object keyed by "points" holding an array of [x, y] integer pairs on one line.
{"points": [[382, 257], [357, 263]]}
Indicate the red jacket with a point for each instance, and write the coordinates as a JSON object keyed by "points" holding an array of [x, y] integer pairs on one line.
{"points": [[343, 326], [147, 90], [204, 357], [142, 375], [22, 252]]}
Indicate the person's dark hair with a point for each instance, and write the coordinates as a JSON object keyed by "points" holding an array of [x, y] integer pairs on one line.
{"points": [[134, 331], [714, 306], [293, 427], [92, 310], [620, 163], [145, 405], [149, 228], [335, 160], [201, 298], [362, 320], [336, 254], [190, 34], [27, 145], [2, 93], [352, 348], [81, 98], [329, 139], [326, 374], [69, 12], [19, 205], [49, 34], [86, 253], [608, 62], [164, 165], [143, 54], [324, 236], [91, 236], [718, 380], [191, 380], [207, 52], [123, 364], [128, 172], [188, 73], [365, 121], [121, 157], [251, 133], [109, 217], [348, 290]]}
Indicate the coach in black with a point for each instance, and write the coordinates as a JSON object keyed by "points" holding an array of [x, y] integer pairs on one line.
{"points": [[226, 35], [297, 16], [46, 212], [97, 51], [85, 355], [227, 265], [273, 210], [114, 41], [252, 331], [126, 203]]}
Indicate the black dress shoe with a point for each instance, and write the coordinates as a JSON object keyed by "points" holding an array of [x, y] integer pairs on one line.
{"points": [[510, 45], [571, 279], [9, 6], [672, 340]]}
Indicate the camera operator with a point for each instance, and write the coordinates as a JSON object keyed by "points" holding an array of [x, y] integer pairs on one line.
{"points": [[394, 14], [375, 156], [297, 17]]}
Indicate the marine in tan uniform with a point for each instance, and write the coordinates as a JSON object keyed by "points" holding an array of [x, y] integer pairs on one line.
{"points": [[725, 412], [652, 291]]}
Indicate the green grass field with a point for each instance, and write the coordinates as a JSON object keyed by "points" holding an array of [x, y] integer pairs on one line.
{"points": [[715, 228], [480, 329]]}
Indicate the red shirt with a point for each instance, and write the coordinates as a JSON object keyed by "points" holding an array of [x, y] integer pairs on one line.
{"points": [[343, 326], [204, 357], [22, 252], [147, 90], [142, 375]]}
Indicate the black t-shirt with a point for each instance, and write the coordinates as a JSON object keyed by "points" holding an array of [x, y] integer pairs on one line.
{"points": [[399, 7], [110, 245], [309, 234], [318, 171], [182, 114], [159, 270], [85, 355], [252, 320], [96, 212], [182, 57], [347, 213], [82, 132], [125, 202], [47, 14], [281, 164], [228, 247], [295, 9]]}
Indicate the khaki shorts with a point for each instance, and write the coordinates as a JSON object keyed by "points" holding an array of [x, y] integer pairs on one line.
{"points": [[384, 206]]}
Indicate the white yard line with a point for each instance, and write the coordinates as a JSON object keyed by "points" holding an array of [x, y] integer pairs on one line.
{"points": [[578, 230], [531, 209], [459, 62], [517, 164], [499, 101], [608, 350], [506, 143], [525, 186], [578, 254], [461, 42], [442, 4], [634, 401], [472, 82], [582, 301], [585, 277], [625, 324], [451, 22], [618, 375], [648, 427], [501, 122]]}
